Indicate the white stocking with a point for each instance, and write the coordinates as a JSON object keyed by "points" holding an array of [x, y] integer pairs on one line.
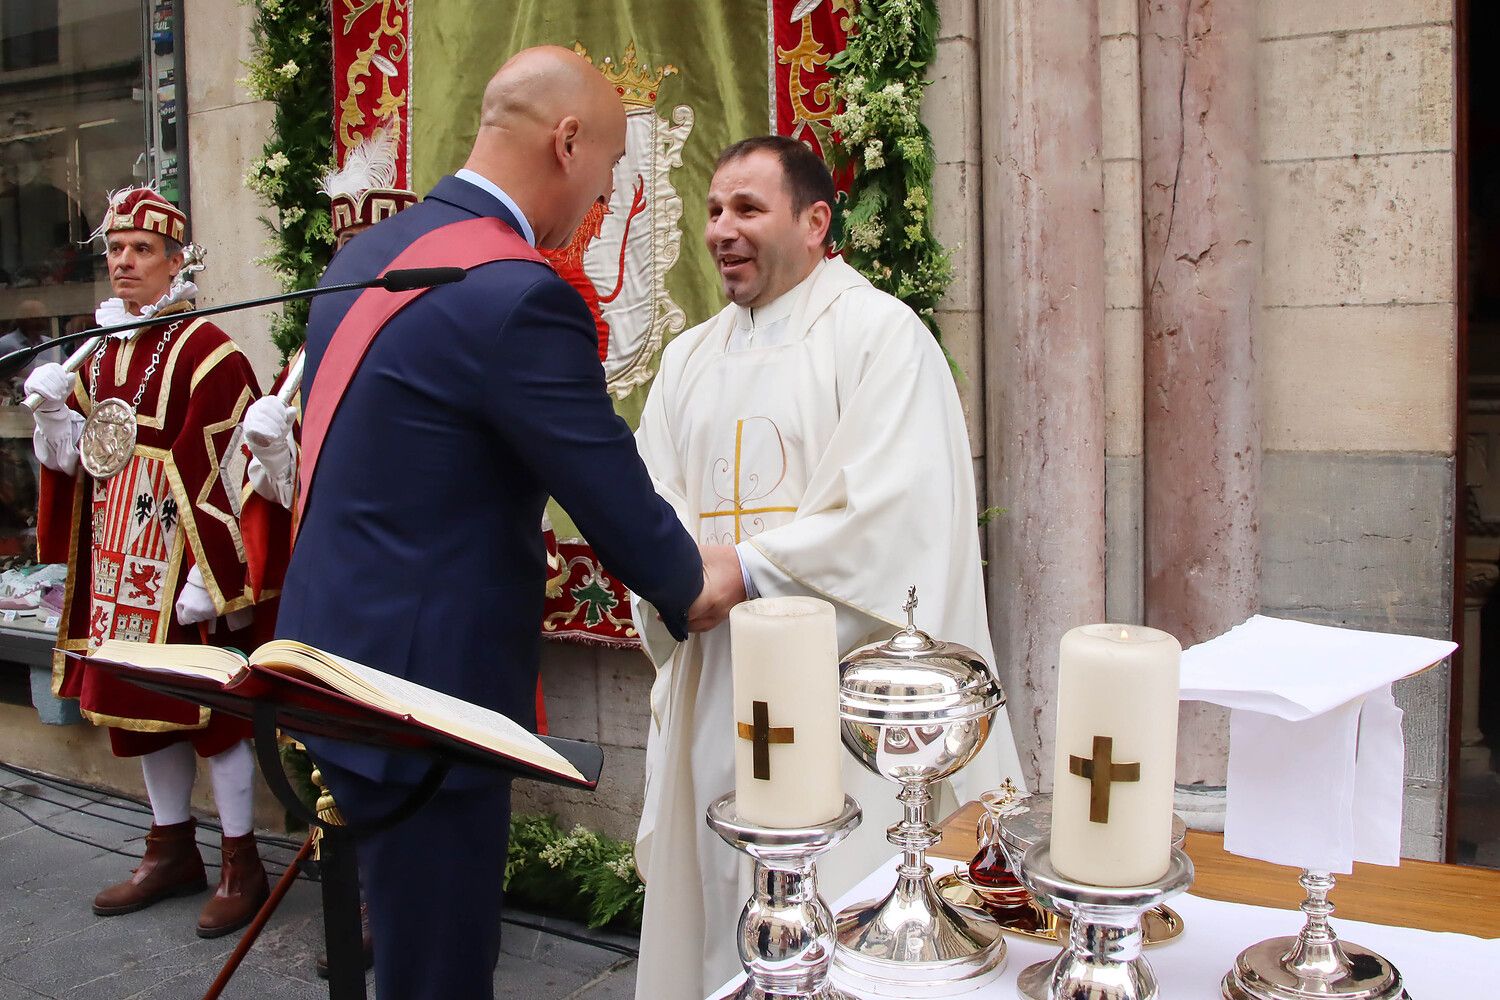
{"points": [[233, 772], [169, 776]]}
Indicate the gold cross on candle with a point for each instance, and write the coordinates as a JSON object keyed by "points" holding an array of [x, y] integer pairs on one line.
{"points": [[761, 735], [1101, 771]]}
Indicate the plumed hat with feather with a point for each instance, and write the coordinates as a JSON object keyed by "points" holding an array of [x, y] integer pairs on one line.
{"points": [[363, 190], [142, 208]]}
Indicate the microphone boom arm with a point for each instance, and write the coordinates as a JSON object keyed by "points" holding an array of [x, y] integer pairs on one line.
{"points": [[401, 279]]}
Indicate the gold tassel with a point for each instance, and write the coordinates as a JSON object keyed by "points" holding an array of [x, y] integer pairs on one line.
{"points": [[327, 810]]}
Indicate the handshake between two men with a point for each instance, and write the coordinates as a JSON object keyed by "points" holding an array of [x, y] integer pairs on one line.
{"points": [[725, 584]]}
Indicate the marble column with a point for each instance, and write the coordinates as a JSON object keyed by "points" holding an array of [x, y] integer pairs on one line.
{"points": [[1042, 201], [1474, 756], [1202, 265]]}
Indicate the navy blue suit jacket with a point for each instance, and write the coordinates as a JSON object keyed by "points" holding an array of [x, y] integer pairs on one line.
{"points": [[420, 551]]}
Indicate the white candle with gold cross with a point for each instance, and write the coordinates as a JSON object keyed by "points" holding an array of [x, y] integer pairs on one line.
{"points": [[1113, 776], [788, 761]]}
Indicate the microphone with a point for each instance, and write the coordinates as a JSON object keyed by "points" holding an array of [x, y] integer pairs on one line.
{"points": [[411, 278], [402, 280]]}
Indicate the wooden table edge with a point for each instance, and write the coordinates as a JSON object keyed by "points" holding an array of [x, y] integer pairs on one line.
{"points": [[1422, 894]]}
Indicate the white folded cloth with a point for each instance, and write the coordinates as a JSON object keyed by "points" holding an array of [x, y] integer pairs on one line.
{"points": [[1315, 744], [1295, 670]]}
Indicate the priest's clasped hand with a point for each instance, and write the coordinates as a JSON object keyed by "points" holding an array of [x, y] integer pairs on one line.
{"points": [[723, 588]]}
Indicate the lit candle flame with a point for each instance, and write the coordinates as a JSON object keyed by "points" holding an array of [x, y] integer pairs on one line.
{"points": [[1124, 633]]}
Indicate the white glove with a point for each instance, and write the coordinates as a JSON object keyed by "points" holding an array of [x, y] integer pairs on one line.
{"points": [[57, 427], [54, 384], [268, 422], [193, 604], [273, 454]]}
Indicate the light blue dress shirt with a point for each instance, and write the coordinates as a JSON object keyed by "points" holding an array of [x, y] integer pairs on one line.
{"points": [[489, 187]]}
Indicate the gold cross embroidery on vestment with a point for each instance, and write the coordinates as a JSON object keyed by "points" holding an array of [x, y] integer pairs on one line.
{"points": [[737, 500]]}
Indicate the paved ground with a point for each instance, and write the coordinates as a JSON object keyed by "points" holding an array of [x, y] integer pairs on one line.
{"points": [[59, 845]]}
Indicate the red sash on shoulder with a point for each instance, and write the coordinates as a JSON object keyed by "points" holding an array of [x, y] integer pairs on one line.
{"points": [[465, 244]]}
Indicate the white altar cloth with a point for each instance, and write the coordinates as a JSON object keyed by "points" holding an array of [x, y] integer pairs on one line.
{"points": [[1434, 965]]}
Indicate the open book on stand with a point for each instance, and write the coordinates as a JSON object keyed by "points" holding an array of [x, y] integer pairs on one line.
{"points": [[288, 672]]}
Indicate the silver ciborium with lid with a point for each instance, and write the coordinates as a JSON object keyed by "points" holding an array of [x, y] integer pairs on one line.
{"points": [[915, 710]]}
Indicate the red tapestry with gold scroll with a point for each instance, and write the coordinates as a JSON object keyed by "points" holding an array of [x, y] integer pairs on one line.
{"points": [[372, 75]]}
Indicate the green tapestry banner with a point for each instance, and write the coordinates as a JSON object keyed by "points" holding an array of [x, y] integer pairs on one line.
{"points": [[693, 78]]}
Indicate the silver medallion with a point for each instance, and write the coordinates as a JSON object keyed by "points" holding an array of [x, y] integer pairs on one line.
{"points": [[108, 438]]}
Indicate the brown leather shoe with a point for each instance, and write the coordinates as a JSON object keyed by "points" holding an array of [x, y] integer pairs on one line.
{"points": [[367, 944], [170, 867], [243, 887]]}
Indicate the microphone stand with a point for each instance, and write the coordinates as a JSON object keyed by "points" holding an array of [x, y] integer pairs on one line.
{"points": [[395, 281]]}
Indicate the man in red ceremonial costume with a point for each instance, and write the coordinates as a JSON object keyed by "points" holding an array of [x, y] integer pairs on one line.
{"points": [[136, 497]]}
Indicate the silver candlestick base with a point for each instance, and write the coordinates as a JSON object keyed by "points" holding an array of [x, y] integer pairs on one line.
{"points": [[1315, 963], [913, 943], [1102, 960], [785, 934]]}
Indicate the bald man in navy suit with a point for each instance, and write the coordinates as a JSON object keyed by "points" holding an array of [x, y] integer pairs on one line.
{"points": [[418, 551]]}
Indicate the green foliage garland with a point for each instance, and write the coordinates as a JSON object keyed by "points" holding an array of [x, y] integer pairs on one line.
{"points": [[577, 873], [879, 78], [291, 66]]}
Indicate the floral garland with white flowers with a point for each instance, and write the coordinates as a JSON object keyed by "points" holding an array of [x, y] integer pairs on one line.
{"points": [[289, 66], [887, 218]]}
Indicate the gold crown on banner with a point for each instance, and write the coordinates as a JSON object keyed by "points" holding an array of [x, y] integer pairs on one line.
{"points": [[636, 82]]}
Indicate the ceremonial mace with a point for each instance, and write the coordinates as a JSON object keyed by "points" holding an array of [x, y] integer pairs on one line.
{"points": [[293, 379], [404, 280]]}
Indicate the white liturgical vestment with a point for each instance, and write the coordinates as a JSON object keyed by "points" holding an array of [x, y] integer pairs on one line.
{"points": [[823, 437]]}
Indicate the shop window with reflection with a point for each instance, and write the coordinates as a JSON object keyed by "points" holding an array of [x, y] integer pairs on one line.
{"points": [[87, 106]]}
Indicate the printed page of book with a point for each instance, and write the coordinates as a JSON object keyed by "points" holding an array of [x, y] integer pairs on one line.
{"points": [[224, 666], [436, 709], [291, 656]]}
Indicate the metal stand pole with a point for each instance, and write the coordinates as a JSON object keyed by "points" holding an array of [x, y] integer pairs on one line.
{"points": [[341, 926], [338, 867]]}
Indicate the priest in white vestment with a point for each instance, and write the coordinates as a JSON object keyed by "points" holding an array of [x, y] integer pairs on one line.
{"points": [[812, 429]]}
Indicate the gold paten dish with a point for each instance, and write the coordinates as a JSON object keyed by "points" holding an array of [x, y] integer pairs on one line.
{"points": [[1160, 925]]}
